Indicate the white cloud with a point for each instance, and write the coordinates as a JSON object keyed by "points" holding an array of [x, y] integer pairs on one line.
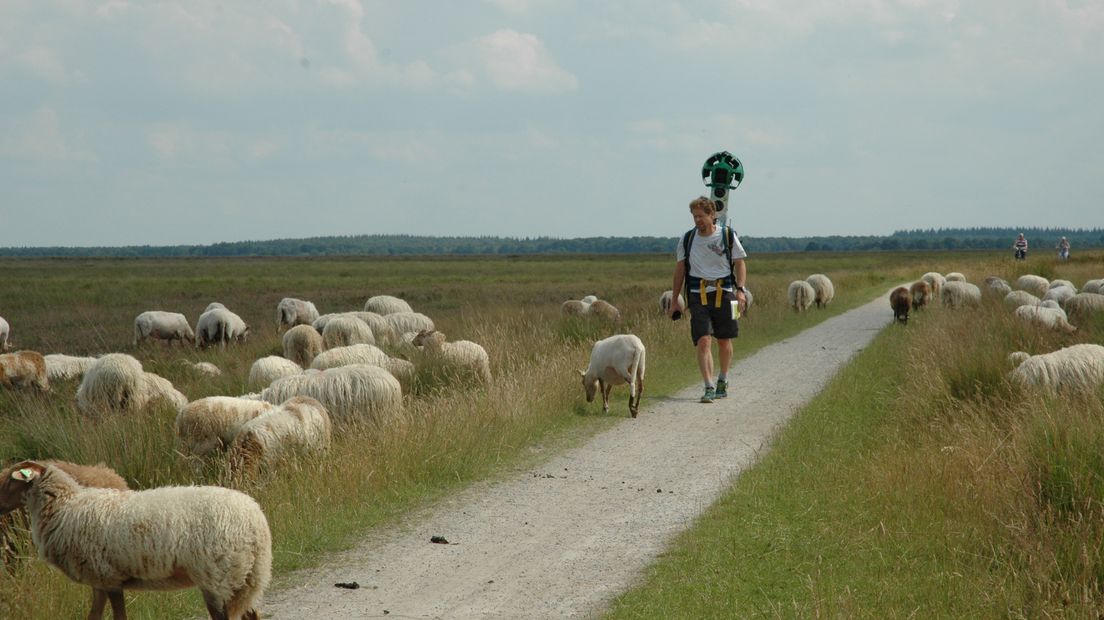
{"points": [[517, 61], [111, 8], [40, 138], [519, 7], [44, 63]]}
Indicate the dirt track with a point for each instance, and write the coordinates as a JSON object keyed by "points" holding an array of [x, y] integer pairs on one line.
{"points": [[563, 539]]}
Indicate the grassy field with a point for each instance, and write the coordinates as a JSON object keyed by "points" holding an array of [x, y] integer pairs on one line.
{"points": [[450, 434], [921, 483]]}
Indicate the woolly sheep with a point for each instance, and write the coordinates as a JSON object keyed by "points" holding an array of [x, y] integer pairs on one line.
{"points": [[343, 331], [616, 360], [5, 333], [1059, 293], [212, 538], [1056, 283], [268, 369], [1083, 305], [589, 299], [801, 295], [220, 326], [207, 426], [59, 366], [116, 382], [936, 280], [955, 276], [386, 304], [574, 307], [353, 354], [605, 310], [921, 294], [213, 306], [823, 288], [160, 325], [1015, 299], [291, 312], [206, 368], [1075, 368], [961, 294], [900, 300], [300, 423], [403, 370], [665, 301], [403, 322], [302, 344], [404, 346], [462, 355], [381, 327], [1050, 303], [355, 393], [1046, 317], [996, 287], [24, 369], [1093, 286], [1036, 285]]}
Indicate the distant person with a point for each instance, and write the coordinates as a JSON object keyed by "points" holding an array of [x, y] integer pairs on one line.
{"points": [[710, 261], [1020, 245], [1063, 249]]}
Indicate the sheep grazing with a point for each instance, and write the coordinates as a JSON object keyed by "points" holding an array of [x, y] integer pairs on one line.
{"points": [[1015, 299], [1036, 285], [268, 369], [464, 356], [353, 354], [60, 366], [1059, 293], [665, 301], [955, 276], [921, 294], [116, 382], [354, 393], [386, 304], [1094, 286], [405, 322], [574, 307], [589, 299], [900, 300], [801, 295], [403, 370], [5, 333], [24, 369], [1056, 283], [605, 311], [207, 426], [160, 325], [957, 294], [302, 344], [616, 360], [299, 424], [205, 368], [167, 538], [936, 281], [220, 326], [1047, 317], [214, 305], [1050, 303], [1083, 305], [291, 312], [1076, 368], [823, 288], [996, 287], [343, 331]]}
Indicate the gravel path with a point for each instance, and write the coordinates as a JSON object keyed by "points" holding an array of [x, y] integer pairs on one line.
{"points": [[561, 540]]}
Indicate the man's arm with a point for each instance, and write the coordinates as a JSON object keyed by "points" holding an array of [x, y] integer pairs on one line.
{"points": [[740, 269], [676, 287]]}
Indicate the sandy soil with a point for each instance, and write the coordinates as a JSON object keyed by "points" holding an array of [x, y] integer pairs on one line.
{"points": [[561, 540]]}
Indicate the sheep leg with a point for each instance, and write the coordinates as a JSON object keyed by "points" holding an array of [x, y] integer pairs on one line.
{"points": [[634, 407], [602, 385], [118, 604], [214, 609], [99, 602]]}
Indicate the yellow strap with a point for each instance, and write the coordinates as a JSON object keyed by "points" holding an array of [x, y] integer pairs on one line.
{"points": [[704, 295], [720, 292]]}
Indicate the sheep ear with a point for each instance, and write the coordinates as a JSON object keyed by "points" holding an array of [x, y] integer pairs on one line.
{"points": [[27, 471]]}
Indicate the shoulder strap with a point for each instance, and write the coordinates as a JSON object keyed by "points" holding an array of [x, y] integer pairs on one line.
{"points": [[687, 239]]}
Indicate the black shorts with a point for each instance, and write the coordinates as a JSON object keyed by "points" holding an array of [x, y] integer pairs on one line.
{"points": [[710, 320]]}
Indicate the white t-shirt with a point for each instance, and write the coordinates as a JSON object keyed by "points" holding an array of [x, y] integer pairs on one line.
{"points": [[707, 256]]}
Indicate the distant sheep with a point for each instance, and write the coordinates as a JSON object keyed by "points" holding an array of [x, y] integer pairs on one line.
{"points": [[160, 325], [900, 300], [1036, 285], [268, 369], [24, 369], [1094, 286], [1046, 317], [220, 326], [291, 312], [801, 295], [822, 286], [1076, 368], [996, 287], [463, 355], [1056, 283], [574, 307], [302, 344], [957, 294], [1050, 303], [936, 280], [386, 304], [343, 331], [213, 538], [206, 368], [5, 333], [665, 301], [60, 366], [1015, 299], [1084, 305], [214, 305], [207, 426], [605, 311], [298, 424], [356, 393], [381, 327], [117, 383], [589, 299], [1059, 293], [404, 322], [352, 354], [921, 294], [616, 360], [955, 276]]}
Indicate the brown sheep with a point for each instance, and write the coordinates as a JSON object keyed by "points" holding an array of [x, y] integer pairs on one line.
{"points": [[900, 299], [24, 368], [921, 292]]}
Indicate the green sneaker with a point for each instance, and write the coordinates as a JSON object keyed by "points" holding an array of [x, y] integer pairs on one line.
{"points": [[722, 389], [709, 395]]}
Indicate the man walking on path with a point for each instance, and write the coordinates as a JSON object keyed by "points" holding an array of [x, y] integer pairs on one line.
{"points": [[710, 261]]}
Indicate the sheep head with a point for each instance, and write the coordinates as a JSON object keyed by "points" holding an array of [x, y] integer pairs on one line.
{"points": [[15, 482], [590, 386]]}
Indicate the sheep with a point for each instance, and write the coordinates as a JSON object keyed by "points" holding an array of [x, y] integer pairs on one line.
{"points": [[1056, 283], [801, 295], [343, 331], [214, 305], [921, 294], [353, 354], [403, 322], [1015, 299], [167, 538], [614, 361], [354, 393], [1059, 294], [386, 304], [267, 369], [900, 300], [463, 355], [589, 299], [665, 301], [997, 287], [207, 426], [24, 369], [1050, 303], [957, 294], [936, 280], [291, 312], [5, 333], [205, 368], [823, 288], [302, 344], [605, 310], [1094, 286], [1074, 368], [300, 423], [574, 307], [403, 370], [60, 366], [160, 325], [1082, 305], [1036, 285], [955, 276], [404, 346], [116, 382], [220, 326], [1046, 317]]}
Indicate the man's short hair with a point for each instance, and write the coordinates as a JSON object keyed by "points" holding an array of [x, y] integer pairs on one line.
{"points": [[703, 203]]}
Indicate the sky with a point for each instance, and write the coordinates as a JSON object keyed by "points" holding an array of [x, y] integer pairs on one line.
{"points": [[158, 123]]}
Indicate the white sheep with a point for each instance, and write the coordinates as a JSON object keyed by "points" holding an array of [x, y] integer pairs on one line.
{"points": [[957, 294], [59, 366], [207, 426], [355, 393], [589, 299], [386, 304], [465, 356], [5, 333], [268, 369], [1036, 285], [801, 295], [1050, 303], [302, 344], [1015, 299], [574, 307], [616, 360], [213, 306], [955, 276], [161, 325], [298, 424], [1047, 317], [665, 301], [381, 327], [825, 291], [1074, 368], [352, 354], [404, 322], [605, 310], [291, 312], [404, 346], [213, 538], [997, 287], [1059, 293], [220, 326], [116, 382], [402, 369], [1084, 305], [936, 280], [24, 369], [206, 368], [343, 331], [1057, 283], [1094, 286]]}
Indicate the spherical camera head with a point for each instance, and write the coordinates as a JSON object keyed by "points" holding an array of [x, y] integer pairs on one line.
{"points": [[721, 172]]}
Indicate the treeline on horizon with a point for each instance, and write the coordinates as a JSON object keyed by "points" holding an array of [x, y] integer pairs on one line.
{"points": [[1040, 239]]}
